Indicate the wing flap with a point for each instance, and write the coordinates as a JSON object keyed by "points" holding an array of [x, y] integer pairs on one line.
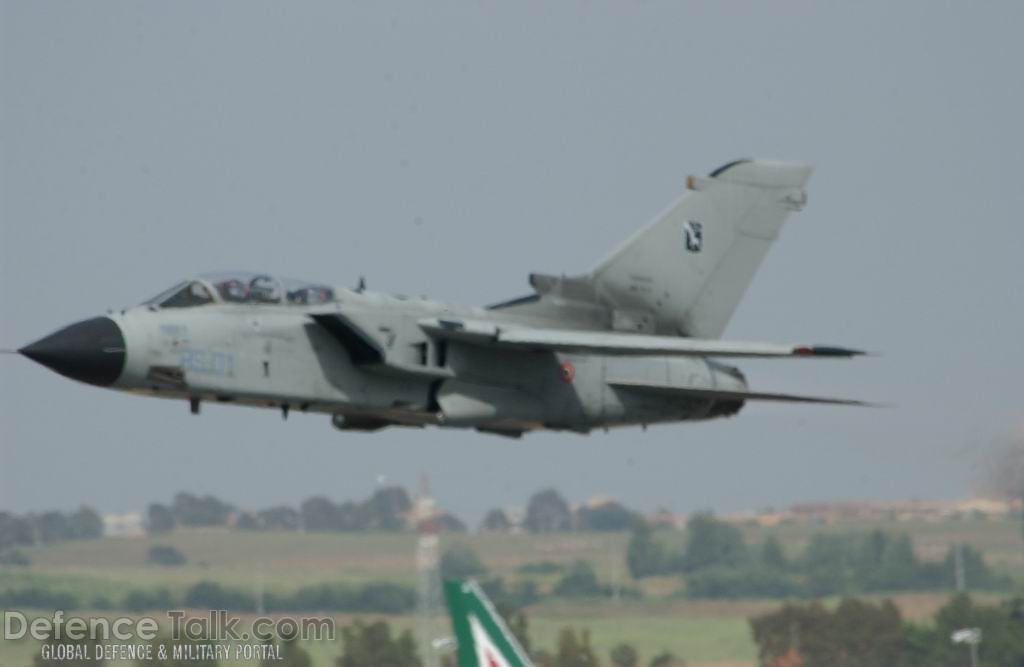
{"points": [[731, 394]]}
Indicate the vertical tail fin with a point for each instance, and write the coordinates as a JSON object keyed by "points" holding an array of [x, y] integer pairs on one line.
{"points": [[690, 267], [482, 637]]}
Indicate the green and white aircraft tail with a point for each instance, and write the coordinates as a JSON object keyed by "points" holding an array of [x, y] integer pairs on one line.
{"points": [[482, 638]]}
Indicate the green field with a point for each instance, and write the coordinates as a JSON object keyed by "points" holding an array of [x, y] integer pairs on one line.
{"points": [[703, 632]]}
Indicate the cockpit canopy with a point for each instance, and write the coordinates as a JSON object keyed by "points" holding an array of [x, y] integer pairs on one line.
{"points": [[241, 287]]}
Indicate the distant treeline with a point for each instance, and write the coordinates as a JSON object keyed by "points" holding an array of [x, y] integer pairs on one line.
{"points": [[579, 580], [718, 563], [47, 527], [548, 512], [858, 632], [387, 509], [376, 598], [576, 580]]}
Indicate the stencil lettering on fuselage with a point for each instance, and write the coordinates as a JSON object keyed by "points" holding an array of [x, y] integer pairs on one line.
{"points": [[207, 362]]}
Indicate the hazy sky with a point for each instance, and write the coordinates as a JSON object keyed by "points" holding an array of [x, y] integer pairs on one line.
{"points": [[449, 149]]}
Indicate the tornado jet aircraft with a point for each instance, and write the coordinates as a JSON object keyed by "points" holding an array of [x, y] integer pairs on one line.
{"points": [[632, 342]]}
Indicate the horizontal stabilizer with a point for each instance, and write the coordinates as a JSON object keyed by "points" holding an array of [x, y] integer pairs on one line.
{"points": [[612, 343], [730, 394]]}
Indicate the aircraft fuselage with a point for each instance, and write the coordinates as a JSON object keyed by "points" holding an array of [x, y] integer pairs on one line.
{"points": [[278, 356]]}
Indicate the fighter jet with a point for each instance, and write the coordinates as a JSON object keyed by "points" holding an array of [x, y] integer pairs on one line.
{"points": [[635, 341]]}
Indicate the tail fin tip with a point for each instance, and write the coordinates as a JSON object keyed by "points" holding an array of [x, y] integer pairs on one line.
{"points": [[765, 173]]}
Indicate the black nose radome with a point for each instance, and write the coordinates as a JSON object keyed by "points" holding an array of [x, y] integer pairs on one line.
{"points": [[91, 351]]}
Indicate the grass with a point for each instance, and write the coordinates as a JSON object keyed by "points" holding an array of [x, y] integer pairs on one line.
{"points": [[706, 633], [703, 632], [699, 639]]}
